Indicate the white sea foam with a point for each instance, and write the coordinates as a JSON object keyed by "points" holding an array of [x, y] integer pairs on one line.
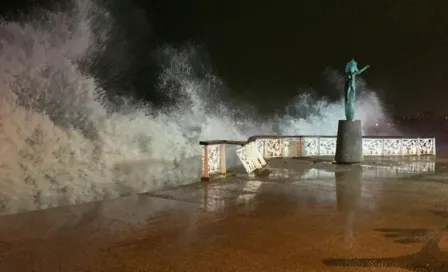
{"points": [[62, 143]]}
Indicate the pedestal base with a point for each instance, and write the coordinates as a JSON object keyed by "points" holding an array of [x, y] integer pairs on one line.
{"points": [[349, 142]]}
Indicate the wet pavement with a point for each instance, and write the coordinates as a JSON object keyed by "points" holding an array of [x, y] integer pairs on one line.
{"points": [[305, 215]]}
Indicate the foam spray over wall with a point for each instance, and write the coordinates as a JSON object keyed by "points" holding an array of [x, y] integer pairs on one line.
{"points": [[310, 116], [63, 143]]}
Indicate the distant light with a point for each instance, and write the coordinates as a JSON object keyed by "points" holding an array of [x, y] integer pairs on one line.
{"points": [[376, 124]]}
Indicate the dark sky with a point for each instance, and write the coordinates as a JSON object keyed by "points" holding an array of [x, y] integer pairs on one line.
{"points": [[273, 48]]}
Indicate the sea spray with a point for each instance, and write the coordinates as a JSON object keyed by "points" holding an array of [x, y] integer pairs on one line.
{"points": [[308, 114], [62, 142]]}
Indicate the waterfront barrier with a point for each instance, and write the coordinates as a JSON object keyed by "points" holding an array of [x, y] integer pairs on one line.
{"points": [[254, 152]]}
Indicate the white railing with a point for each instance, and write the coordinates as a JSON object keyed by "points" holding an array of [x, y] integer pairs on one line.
{"points": [[258, 148]]}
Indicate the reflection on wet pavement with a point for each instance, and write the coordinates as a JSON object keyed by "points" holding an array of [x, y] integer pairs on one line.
{"points": [[306, 215], [348, 195]]}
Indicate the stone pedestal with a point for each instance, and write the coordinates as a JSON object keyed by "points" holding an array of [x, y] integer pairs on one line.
{"points": [[349, 142]]}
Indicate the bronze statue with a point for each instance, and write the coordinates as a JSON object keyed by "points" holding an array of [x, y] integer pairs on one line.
{"points": [[351, 71]]}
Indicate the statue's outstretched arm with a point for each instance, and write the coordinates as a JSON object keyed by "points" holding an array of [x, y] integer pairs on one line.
{"points": [[363, 69]]}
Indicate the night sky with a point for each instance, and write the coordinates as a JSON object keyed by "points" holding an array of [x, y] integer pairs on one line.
{"points": [[277, 48]]}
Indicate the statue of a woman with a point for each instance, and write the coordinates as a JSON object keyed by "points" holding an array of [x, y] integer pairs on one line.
{"points": [[351, 71]]}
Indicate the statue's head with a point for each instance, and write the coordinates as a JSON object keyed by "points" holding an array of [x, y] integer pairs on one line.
{"points": [[351, 67]]}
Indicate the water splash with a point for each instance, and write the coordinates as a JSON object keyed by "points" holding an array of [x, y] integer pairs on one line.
{"points": [[307, 115], [63, 143]]}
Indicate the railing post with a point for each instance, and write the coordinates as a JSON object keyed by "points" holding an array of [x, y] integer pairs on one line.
{"points": [[418, 147], [318, 146], [264, 148], [222, 157], [434, 146], [401, 147], [285, 152], [205, 172]]}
